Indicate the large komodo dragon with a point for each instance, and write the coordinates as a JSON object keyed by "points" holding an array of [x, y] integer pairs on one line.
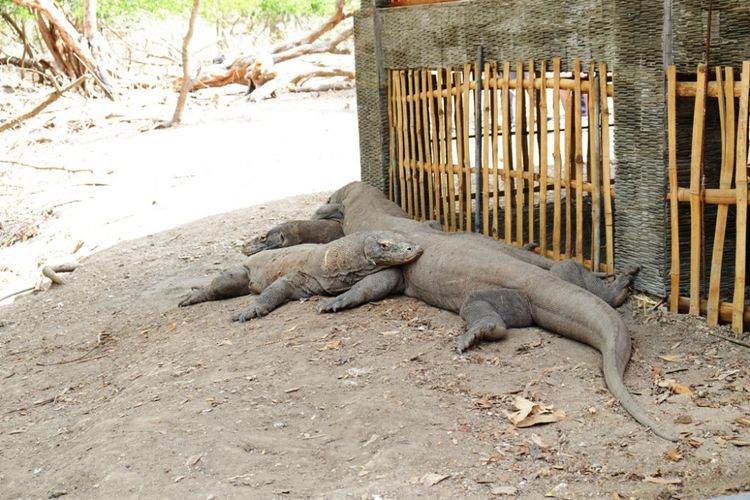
{"points": [[493, 291], [356, 264]]}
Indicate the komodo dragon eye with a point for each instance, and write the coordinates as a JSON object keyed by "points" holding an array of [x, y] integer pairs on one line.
{"points": [[384, 245]]}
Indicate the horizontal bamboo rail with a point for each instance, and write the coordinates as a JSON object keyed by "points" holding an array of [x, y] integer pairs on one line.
{"points": [[690, 89]]}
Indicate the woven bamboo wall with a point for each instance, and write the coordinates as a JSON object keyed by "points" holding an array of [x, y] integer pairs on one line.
{"points": [[629, 36]]}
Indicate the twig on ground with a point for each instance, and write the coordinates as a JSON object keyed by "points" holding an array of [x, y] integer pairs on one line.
{"points": [[730, 339], [39, 167], [39, 107], [29, 289]]}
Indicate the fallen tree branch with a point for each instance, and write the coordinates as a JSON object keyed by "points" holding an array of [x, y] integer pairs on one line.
{"points": [[324, 86], [37, 167], [51, 272], [322, 73], [328, 25], [316, 48], [39, 66], [39, 107]]}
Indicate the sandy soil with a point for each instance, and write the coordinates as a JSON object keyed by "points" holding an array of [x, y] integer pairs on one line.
{"points": [[111, 391]]}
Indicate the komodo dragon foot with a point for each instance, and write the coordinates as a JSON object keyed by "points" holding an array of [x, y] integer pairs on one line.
{"points": [[489, 313], [614, 293]]}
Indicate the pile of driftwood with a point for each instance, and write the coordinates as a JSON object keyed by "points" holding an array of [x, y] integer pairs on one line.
{"points": [[260, 72]]}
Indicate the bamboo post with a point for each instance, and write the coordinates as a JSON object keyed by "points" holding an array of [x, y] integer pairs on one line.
{"points": [[595, 166], [466, 167], [531, 136], [496, 172], [543, 139], [741, 183], [479, 139], [578, 161], [429, 162], [411, 114], [450, 164], [421, 145], [459, 108], [674, 270], [726, 116], [696, 184], [606, 172], [434, 147], [391, 146], [484, 165], [569, 175], [519, 154], [507, 155], [442, 151], [557, 158], [400, 140]]}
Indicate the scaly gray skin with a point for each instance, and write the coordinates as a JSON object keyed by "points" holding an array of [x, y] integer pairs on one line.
{"points": [[357, 266], [492, 291], [294, 233]]}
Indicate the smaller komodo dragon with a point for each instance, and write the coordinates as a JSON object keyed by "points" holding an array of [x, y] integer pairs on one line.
{"points": [[359, 267], [295, 232]]}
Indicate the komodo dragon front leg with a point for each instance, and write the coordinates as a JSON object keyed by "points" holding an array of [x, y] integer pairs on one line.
{"points": [[293, 286], [370, 289], [232, 282]]}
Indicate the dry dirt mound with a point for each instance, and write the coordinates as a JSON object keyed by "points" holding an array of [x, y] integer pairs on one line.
{"points": [[111, 391]]}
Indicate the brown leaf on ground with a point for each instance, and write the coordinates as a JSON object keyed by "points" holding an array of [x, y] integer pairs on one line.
{"points": [[530, 413]]}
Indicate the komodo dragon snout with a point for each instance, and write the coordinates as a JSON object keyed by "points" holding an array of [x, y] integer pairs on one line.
{"points": [[384, 250]]}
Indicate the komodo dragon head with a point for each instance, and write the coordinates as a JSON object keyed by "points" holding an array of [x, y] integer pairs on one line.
{"points": [[274, 238], [386, 248]]}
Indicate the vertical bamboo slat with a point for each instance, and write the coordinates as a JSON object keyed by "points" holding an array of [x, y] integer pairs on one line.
{"points": [[569, 174], [485, 166], [696, 181], [467, 154], [496, 172], [674, 271], [450, 164], [557, 158], [429, 157], [726, 116], [411, 114], [578, 161], [507, 158], [594, 166], [459, 111], [420, 164], [431, 138], [531, 148], [609, 237], [391, 141], [442, 149], [407, 193], [400, 139], [543, 135], [741, 185], [519, 186]]}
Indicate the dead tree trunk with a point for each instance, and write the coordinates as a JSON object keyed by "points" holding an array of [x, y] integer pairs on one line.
{"points": [[73, 58]]}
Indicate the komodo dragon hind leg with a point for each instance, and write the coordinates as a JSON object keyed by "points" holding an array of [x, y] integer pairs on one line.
{"points": [[371, 288], [614, 293], [232, 282], [293, 286], [489, 313]]}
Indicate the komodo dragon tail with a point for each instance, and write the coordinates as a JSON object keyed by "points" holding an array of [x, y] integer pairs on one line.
{"points": [[613, 376]]}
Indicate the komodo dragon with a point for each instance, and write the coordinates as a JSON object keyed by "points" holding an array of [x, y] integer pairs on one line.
{"points": [[295, 232], [493, 291], [359, 264]]}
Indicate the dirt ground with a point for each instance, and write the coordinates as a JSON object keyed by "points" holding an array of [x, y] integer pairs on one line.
{"points": [[112, 391]]}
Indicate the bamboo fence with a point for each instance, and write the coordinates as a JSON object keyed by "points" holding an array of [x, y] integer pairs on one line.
{"points": [[731, 98], [536, 156]]}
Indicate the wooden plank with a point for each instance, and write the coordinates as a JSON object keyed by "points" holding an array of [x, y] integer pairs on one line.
{"points": [[467, 152], [519, 185], [543, 140], [741, 183], [609, 237], [578, 160], [595, 165], [557, 158], [450, 164], [495, 151], [726, 117], [696, 205], [689, 89], [674, 270], [507, 155], [485, 166], [420, 146]]}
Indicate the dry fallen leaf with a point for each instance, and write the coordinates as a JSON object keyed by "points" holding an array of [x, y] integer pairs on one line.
{"points": [[673, 455], [431, 479], [333, 345], [530, 413], [681, 389], [672, 358]]}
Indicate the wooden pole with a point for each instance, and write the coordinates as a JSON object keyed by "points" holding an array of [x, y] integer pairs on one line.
{"points": [[507, 155], [425, 77], [519, 154], [442, 153], [606, 172], [481, 189], [467, 154], [578, 160], [450, 168], [544, 139], [484, 166], [495, 150], [557, 158], [420, 146], [391, 146], [595, 166], [531, 136]]}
